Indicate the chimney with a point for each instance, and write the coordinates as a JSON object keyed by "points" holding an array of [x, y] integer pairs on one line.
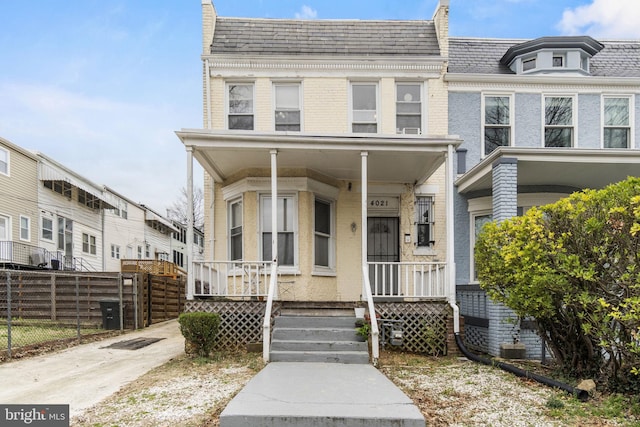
{"points": [[208, 25], [441, 21]]}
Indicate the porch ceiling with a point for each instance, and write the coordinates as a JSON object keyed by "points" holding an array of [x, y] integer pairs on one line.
{"points": [[391, 158], [570, 168]]}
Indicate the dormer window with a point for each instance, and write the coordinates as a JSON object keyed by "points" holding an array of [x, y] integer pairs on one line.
{"points": [[558, 61], [528, 64]]}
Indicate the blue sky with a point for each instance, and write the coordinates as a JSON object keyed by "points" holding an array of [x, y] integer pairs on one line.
{"points": [[101, 86]]}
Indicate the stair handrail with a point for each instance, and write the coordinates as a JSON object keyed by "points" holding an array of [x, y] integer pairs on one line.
{"points": [[266, 324], [375, 331]]}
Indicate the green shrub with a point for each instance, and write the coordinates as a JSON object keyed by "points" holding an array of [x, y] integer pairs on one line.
{"points": [[200, 329]]}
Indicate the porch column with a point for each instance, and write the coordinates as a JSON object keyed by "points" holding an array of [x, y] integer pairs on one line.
{"points": [[274, 206], [190, 268], [363, 221], [505, 188]]}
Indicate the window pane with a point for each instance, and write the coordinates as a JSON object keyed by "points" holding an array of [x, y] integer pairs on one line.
{"points": [[236, 214], [322, 251], [364, 116], [495, 137], [287, 97], [408, 122], [288, 118], [364, 97], [4, 161], [558, 111], [529, 64], [323, 217], [24, 228], [616, 111], [236, 247], [290, 128], [558, 137], [285, 248], [241, 122], [616, 138], [364, 128], [408, 108], [408, 93], [496, 110], [47, 229], [424, 235], [4, 228], [241, 98]]}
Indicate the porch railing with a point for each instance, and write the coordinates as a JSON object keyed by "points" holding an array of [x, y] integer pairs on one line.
{"points": [[408, 280], [242, 279], [375, 331], [153, 266]]}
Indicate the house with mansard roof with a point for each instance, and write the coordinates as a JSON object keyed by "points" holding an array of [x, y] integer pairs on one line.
{"points": [[540, 119], [328, 168]]}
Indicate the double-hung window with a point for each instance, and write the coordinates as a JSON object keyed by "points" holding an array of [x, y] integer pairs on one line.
{"points": [[409, 108], [286, 223], [478, 221], [241, 105], [424, 221], [323, 234], [88, 244], [287, 106], [4, 161], [616, 123], [364, 108], [115, 251], [47, 229], [235, 230], [25, 228], [558, 121], [497, 122]]}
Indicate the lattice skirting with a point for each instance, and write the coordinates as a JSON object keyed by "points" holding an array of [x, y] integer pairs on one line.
{"points": [[240, 321], [424, 324], [476, 338]]}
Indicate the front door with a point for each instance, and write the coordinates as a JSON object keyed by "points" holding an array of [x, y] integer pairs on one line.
{"points": [[383, 248]]}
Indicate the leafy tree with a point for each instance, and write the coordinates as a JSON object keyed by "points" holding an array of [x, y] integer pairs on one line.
{"points": [[573, 266]]}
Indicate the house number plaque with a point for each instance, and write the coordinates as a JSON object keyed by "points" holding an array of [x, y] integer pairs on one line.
{"points": [[386, 204]]}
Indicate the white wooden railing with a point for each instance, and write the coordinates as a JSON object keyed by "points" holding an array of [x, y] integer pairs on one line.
{"points": [[408, 280], [239, 279], [266, 324], [375, 330]]}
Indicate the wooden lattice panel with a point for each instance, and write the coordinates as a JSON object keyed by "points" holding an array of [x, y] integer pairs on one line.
{"points": [[240, 321], [424, 325], [476, 338]]}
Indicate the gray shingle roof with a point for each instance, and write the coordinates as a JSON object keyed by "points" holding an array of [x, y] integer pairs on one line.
{"points": [[482, 56], [324, 37]]}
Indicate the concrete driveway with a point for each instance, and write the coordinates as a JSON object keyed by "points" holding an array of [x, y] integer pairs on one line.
{"points": [[86, 374]]}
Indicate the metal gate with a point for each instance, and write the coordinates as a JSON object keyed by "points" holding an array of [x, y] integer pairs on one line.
{"points": [[383, 248]]}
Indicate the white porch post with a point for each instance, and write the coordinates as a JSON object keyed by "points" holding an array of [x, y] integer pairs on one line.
{"points": [[451, 264], [274, 206], [363, 220], [190, 267]]}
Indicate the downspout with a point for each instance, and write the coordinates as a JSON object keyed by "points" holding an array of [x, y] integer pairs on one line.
{"points": [[583, 395], [207, 95], [207, 67]]}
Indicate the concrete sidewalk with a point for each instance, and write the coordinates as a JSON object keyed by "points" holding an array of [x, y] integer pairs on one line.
{"points": [[84, 375]]}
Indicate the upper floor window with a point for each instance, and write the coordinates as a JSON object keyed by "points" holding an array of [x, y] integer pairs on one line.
{"points": [[286, 223], [324, 234], [497, 122], [287, 106], [88, 244], [558, 60], [4, 161], [617, 129], [115, 251], [364, 108], [241, 106], [409, 108], [47, 229], [235, 230], [60, 187], [25, 228], [558, 121], [528, 64], [4, 227]]}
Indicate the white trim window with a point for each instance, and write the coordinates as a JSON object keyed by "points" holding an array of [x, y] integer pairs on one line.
{"points": [[139, 252], [364, 107], [115, 251], [497, 123], [240, 106], [616, 125], [88, 244], [324, 235], [425, 237], [287, 229], [5, 228], [235, 230], [409, 108], [25, 228], [287, 111], [4, 161], [47, 229], [559, 121], [478, 220]]}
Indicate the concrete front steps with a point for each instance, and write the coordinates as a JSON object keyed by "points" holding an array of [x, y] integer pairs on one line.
{"points": [[317, 338]]}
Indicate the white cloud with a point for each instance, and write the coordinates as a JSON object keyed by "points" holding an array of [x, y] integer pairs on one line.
{"points": [[306, 12], [604, 19]]}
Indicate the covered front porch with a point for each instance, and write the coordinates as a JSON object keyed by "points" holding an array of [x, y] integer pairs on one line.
{"points": [[330, 188]]}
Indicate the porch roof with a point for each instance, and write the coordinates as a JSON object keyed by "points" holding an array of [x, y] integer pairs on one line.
{"points": [[391, 158], [569, 169]]}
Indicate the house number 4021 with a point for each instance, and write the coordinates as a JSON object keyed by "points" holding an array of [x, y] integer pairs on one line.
{"points": [[379, 203]]}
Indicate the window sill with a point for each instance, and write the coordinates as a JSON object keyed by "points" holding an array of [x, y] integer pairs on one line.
{"points": [[425, 251], [324, 273]]}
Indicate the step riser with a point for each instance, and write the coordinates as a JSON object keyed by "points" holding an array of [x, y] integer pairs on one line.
{"points": [[314, 322], [315, 334], [320, 357], [278, 345], [324, 421]]}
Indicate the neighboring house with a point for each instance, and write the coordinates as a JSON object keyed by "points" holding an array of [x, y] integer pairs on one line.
{"points": [[18, 206], [71, 216], [179, 252], [124, 231], [540, 119], [157, 235], [345, 124]]}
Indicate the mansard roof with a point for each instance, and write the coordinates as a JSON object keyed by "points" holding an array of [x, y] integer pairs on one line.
{"points": [[289, 37], [482, 56]]}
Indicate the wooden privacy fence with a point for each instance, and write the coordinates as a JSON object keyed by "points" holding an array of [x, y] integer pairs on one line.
{"points": [[161, 298]]}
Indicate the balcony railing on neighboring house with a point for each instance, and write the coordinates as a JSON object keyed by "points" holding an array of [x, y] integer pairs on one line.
{"points": [[21, 255], [155, 267]]}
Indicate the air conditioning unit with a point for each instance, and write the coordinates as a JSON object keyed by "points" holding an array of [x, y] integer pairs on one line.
{"points": [[37, 259], [411, 131]]}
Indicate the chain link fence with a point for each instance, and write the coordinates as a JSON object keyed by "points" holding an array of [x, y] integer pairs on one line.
{"points": [[50, 309]]}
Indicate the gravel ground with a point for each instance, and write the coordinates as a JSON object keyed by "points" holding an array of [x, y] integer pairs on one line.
{"points": [[448, 391]]}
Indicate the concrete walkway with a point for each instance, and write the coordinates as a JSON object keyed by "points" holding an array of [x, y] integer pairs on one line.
{"points": [[84, 375], [287, 394]]}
